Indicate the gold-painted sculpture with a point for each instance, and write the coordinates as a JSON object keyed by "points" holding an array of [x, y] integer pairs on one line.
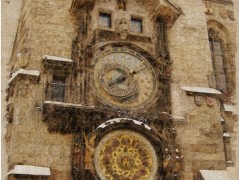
{"points": [[89, 150]]}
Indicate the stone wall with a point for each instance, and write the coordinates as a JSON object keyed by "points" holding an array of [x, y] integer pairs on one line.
{"points": [[45, 27], [199, 131], [9, 28]]}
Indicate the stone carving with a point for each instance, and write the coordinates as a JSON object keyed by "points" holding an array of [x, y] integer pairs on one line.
{"points": [[89, 150], [208, 8], [231, 15], [172, 163], [178, 162], [23, 59], [123, 28], [210, 101], [198, 100], [24, 89], [77, 156], [213, 34], [10, 111], [223, 13]]}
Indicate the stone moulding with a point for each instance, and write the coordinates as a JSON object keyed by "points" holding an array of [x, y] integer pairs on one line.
{"points": [[22, 73], [167, 10], [221, 1], [58, 63], [163, 8]]}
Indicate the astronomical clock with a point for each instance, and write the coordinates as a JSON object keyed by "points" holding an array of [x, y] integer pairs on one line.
{"points": [[124, 131], [124, 79]]}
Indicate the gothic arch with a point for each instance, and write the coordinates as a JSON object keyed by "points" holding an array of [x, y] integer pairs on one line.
{"points": [[218, 32]]}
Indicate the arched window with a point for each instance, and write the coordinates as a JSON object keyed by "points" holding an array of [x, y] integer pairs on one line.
{"points": [[218, 60]]}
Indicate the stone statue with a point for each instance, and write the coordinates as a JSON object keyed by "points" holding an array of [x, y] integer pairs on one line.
{"points": [[77, 156], [178, 162], [89, 150], [123, 27]]}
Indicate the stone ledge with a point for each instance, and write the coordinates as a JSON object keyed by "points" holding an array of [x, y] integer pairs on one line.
{"points": [[30, 170], [23, 72]]}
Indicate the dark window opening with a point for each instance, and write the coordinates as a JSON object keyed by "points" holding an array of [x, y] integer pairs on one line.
{"points": [[58, 88], [105, 20], [136, 25], [217, 56]]}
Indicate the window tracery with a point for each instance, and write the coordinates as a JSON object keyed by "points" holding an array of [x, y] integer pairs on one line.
{"points": [[218, 60]]}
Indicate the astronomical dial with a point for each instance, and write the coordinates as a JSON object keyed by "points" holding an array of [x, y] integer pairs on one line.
{"points": [[124, 79], [125, 154]]}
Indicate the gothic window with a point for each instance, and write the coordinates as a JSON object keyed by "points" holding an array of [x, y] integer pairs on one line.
{"points": [[217, 56], [58, 88], [136, 25], [105, 20]]}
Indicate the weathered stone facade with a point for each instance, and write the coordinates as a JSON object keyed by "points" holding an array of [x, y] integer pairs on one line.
{"points": [[150, 112]]}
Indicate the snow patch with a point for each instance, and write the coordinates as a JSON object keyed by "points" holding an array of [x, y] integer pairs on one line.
{"points": [[63, 104], [226, 134], [214, 175], [55, 58], [118, 120], [30, 170], [201, 90], [23, 71]]}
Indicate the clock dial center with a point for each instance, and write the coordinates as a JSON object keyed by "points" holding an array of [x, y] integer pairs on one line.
{"points": [[117, 80], [124, 79]]}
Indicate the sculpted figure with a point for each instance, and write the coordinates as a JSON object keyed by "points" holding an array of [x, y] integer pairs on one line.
{"points": [[89, 150], [77, 156]]}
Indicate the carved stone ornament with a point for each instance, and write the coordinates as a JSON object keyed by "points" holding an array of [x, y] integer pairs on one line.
{"points": [[23, 60], [208, 7], [231, 14], [77, 156], [198, 100], [223, 13], [89, 150], [123, 28], [210, 101]]}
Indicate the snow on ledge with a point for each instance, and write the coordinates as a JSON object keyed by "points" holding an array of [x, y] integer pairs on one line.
{"points": [[222, 119], [23, 71], [214, 175], [30, 170], [201, 90], [63, 104], [228, 107], [118, 120], [179, 118], [55, 58], [226, 135]]}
